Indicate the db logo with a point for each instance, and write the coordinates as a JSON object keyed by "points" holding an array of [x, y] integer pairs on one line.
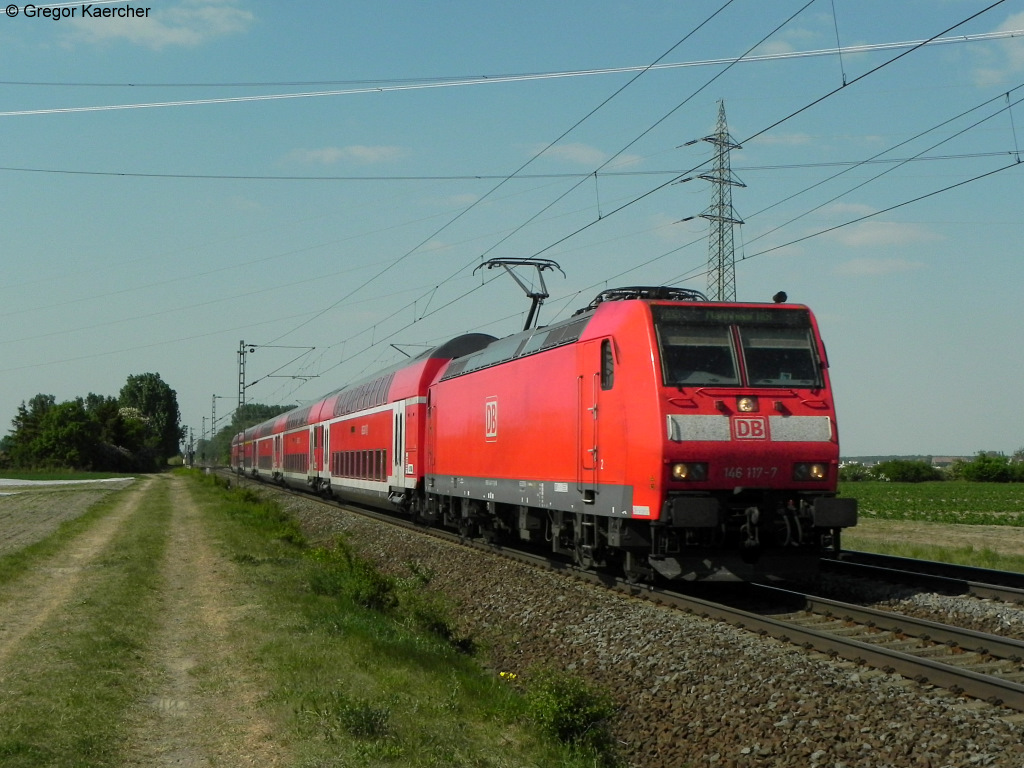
{"points": [[491, 419], [750, 428]]}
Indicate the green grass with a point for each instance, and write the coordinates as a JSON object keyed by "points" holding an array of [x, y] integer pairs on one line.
{"points": [[978, 558], [365, 669], [65, 693], [939, 503], [952, 502]]}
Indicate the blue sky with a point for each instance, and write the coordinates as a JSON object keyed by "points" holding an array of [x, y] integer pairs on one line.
{"points": [[329, 175]]}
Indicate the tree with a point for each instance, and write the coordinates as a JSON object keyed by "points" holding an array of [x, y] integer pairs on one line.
{"points": [[156, 407], [67, 438], [23, 449], [218, 448], [986, 468]]}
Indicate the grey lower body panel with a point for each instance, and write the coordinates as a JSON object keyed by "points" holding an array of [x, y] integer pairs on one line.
{"points": [[607, 500]]}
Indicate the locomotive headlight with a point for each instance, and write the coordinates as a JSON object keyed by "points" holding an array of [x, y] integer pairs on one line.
{"points": [[691, 472], [746, 404], [810, 472]]}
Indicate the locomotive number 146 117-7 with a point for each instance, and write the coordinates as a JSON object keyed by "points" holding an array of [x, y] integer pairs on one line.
{"points": [[751, 473]]}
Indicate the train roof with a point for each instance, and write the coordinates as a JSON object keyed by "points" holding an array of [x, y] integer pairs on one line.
{"points": [[474, 351], [370, 390], [571, 330]]}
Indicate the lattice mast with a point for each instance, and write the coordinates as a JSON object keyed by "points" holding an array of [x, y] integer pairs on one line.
{"points": [[721, 214]]}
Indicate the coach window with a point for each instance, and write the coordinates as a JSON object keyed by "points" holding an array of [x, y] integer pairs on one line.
{"points": [[607, 365]]}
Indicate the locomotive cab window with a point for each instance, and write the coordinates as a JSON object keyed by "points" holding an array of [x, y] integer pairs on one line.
{"points": [[752, 347], [698, 356], [779, 357]]}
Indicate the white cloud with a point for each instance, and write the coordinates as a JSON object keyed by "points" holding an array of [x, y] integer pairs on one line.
{"points": [[1005, 59], [579, 154], [785, 139], [187, 24], [882, 233], [773, 47], [1014, 46], [359, 153], [874, 267], [849, 210], [461, 201], [585, 155]]}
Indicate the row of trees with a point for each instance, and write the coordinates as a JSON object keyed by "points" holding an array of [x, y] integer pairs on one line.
{"points": [[983, 468], [139, 430], [217, 450]]}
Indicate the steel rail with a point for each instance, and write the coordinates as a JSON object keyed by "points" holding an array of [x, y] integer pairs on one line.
{"points": [[980, 582], [924, 670]]}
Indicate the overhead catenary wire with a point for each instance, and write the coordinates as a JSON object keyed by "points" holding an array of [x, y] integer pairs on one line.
{"points": [[584, 175], [779, 122], [501, 183], [409, 84], [875, 69]]}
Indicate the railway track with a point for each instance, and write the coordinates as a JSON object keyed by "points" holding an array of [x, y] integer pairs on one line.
{"points": [[963, 661], [957, 579]]}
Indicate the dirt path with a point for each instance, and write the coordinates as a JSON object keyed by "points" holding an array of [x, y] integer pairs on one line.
{"points": [[203, 709], [202, 702], [26, 605]]}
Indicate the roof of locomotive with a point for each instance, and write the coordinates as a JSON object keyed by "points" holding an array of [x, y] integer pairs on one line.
{"points": [[474, 351], [568, 331]]}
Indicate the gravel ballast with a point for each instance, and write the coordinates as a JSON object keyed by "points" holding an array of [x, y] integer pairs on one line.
{"points": [[691, 691]]}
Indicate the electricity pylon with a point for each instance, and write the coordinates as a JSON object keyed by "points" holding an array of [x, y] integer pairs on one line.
{"points": [[721, 214]]}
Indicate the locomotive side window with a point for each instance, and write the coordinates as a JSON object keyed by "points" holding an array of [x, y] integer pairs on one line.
{"points": [[607, 365], [779, 357]]}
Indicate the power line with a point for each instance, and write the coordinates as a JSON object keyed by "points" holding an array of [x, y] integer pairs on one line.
{"points": [[773, 125], [480, 176], [501, 183], [885, 210], [408, 83], [1007, 108]]}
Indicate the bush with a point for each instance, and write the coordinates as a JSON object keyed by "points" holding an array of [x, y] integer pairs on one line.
{"points": [[985, 468], [568, 709], [904, 471]]}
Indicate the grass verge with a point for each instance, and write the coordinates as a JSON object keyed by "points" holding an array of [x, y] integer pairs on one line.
{"points": [[966, 555], [365, 669]]}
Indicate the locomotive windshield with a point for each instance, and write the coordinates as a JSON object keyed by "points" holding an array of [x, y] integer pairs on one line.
{"points": [[720, 346]]}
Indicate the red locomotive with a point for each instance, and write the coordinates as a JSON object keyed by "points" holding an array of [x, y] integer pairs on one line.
{"points": [[652, 431]]}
